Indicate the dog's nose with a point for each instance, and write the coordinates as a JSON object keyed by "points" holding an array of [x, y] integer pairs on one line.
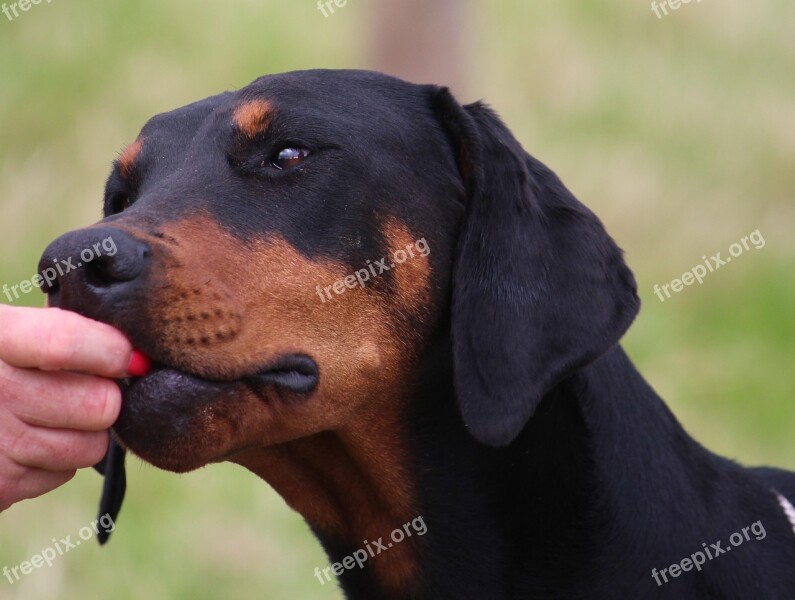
{"points": [[87, 267]]}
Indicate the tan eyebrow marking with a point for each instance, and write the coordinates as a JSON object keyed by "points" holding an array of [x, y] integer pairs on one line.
{"points": [[252, 117], [128, 156]]}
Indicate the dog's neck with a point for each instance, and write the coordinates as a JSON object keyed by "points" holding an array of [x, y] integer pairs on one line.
{"points": [[353, 487], [587, 472]]}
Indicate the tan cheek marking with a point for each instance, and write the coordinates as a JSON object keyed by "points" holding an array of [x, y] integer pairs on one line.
{"points": [[225, 308], [266, 296], [128, 157], [252, 117]]}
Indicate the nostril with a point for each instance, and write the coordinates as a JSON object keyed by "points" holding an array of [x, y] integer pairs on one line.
{"points": [[105, 270], [102, 272]]}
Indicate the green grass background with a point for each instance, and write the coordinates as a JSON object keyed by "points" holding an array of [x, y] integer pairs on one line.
{"points": [[679, 132]]}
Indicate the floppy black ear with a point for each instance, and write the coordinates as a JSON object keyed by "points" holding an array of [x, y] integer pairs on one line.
{"points": [[539, 287]]}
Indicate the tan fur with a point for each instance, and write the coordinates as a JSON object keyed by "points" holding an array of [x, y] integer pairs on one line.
{"points": [[252, 118]]}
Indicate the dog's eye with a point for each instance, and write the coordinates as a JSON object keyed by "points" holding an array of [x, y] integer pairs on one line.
{"points": [[289, 157]]}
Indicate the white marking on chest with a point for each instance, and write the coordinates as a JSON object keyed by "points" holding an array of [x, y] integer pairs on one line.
{"points": [[789, 510]]}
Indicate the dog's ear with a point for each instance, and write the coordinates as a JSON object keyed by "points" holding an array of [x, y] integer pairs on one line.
{"points": [[539, 287]]}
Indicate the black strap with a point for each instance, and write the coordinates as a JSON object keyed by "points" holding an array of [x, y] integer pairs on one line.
{"points": [[114, 485]]}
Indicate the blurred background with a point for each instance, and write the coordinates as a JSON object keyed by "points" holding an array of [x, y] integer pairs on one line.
{"points": [[679, 132]]}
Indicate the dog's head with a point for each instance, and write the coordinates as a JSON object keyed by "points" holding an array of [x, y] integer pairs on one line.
{"points": [[285, 253]]}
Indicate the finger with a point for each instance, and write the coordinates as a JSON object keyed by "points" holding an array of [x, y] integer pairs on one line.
{"points": [[56, 449], [60, 399], [31, 483], [53, 339]]}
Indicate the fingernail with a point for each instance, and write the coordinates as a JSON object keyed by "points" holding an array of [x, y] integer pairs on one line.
{"points": [[139, 364]]}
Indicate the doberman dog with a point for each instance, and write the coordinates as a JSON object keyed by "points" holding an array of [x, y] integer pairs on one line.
{"points": [[270, 262]]}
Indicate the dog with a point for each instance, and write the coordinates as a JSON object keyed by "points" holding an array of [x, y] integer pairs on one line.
{"points": [[479, 386]]}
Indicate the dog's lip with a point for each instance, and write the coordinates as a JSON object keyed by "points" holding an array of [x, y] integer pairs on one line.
{"points": [[292, 372]]}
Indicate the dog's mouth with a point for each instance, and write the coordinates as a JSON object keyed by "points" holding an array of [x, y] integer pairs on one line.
{"points": [[180, 421], [295, 373]]}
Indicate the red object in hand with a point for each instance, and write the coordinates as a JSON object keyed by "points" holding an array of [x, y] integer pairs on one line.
{"points": [[139, 364]]}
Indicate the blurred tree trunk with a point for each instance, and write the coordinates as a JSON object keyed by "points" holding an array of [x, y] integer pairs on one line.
{"points": [[424, 41]]}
